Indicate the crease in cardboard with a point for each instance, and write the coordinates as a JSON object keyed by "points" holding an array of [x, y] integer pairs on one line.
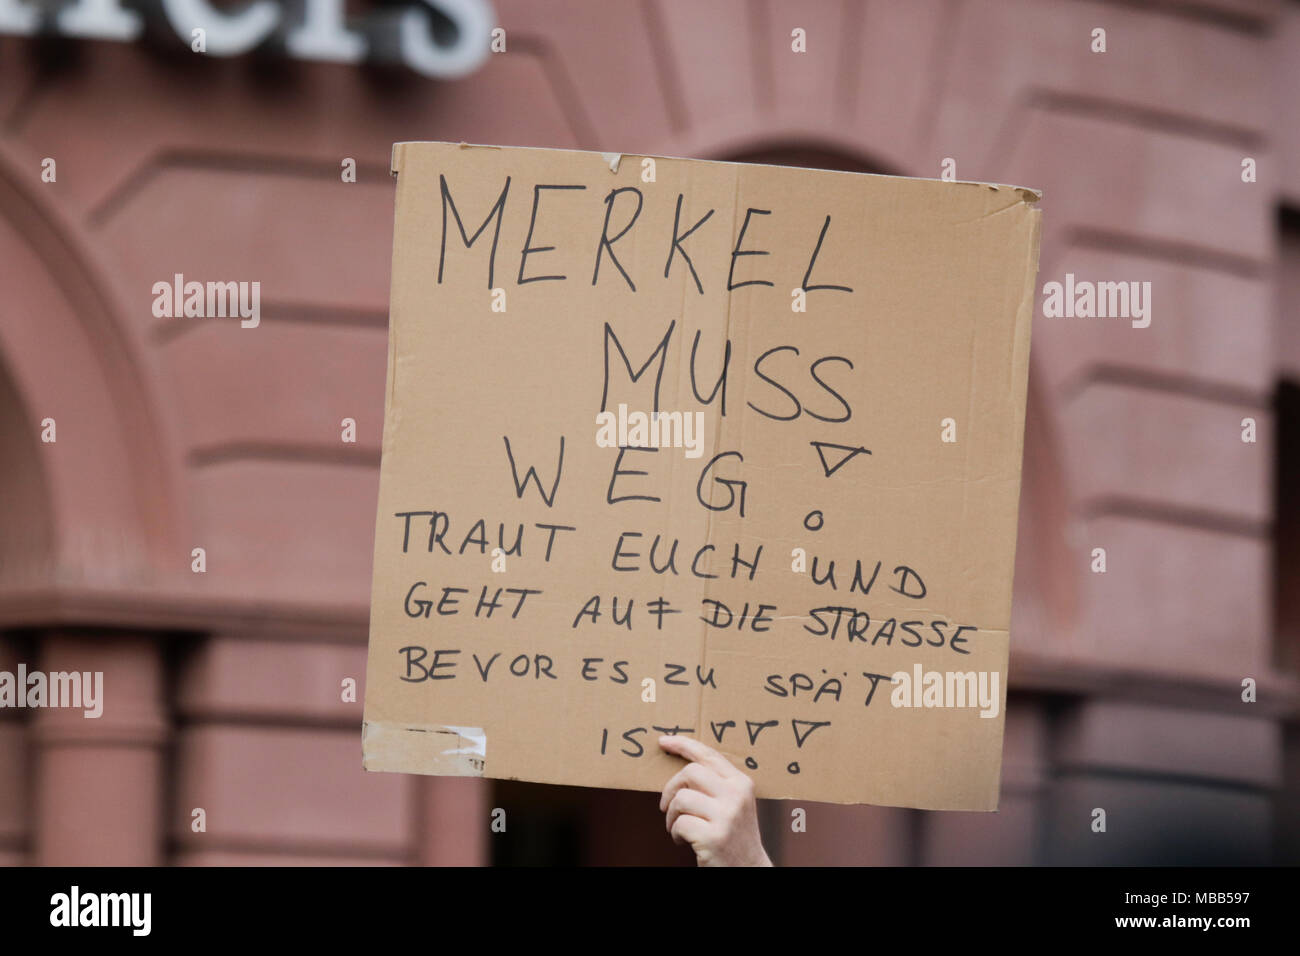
{"points": [[737, 174], [989, 215]]}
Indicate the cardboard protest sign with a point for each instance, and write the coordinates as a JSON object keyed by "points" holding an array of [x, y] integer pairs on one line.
{"points": [[695, 447]]}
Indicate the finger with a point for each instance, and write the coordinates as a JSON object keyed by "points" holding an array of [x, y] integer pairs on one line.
{"points": [[689, 828], [693, 803], [701, 753], [695, 776]]}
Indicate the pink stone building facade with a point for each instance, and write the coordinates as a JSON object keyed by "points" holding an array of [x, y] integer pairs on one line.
{"points": [[1126, 686]]}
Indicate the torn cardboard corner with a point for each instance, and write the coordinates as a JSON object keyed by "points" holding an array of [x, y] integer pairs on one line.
{"points": [[705, 448]]}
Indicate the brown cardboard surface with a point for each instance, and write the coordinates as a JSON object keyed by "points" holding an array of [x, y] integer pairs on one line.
{"points": [[829, 425]]}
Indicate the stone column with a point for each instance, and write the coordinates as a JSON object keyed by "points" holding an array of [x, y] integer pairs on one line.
{"points": [[15, 778], [455, 821], [98, 796]]}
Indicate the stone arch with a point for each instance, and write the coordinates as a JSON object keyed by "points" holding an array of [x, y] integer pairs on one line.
{"points": [[797, 147], [97, 509]]}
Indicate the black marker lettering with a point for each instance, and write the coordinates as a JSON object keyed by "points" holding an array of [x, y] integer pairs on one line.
{"points": [[532, 221], [607, 241], [661, 350], [677, 243], [497, 211], [609, 493], [738, 252], [813, 261], [532, 473], [777, 385]]}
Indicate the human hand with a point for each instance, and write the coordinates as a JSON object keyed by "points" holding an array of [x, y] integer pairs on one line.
{"points": [[710, 805]]}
